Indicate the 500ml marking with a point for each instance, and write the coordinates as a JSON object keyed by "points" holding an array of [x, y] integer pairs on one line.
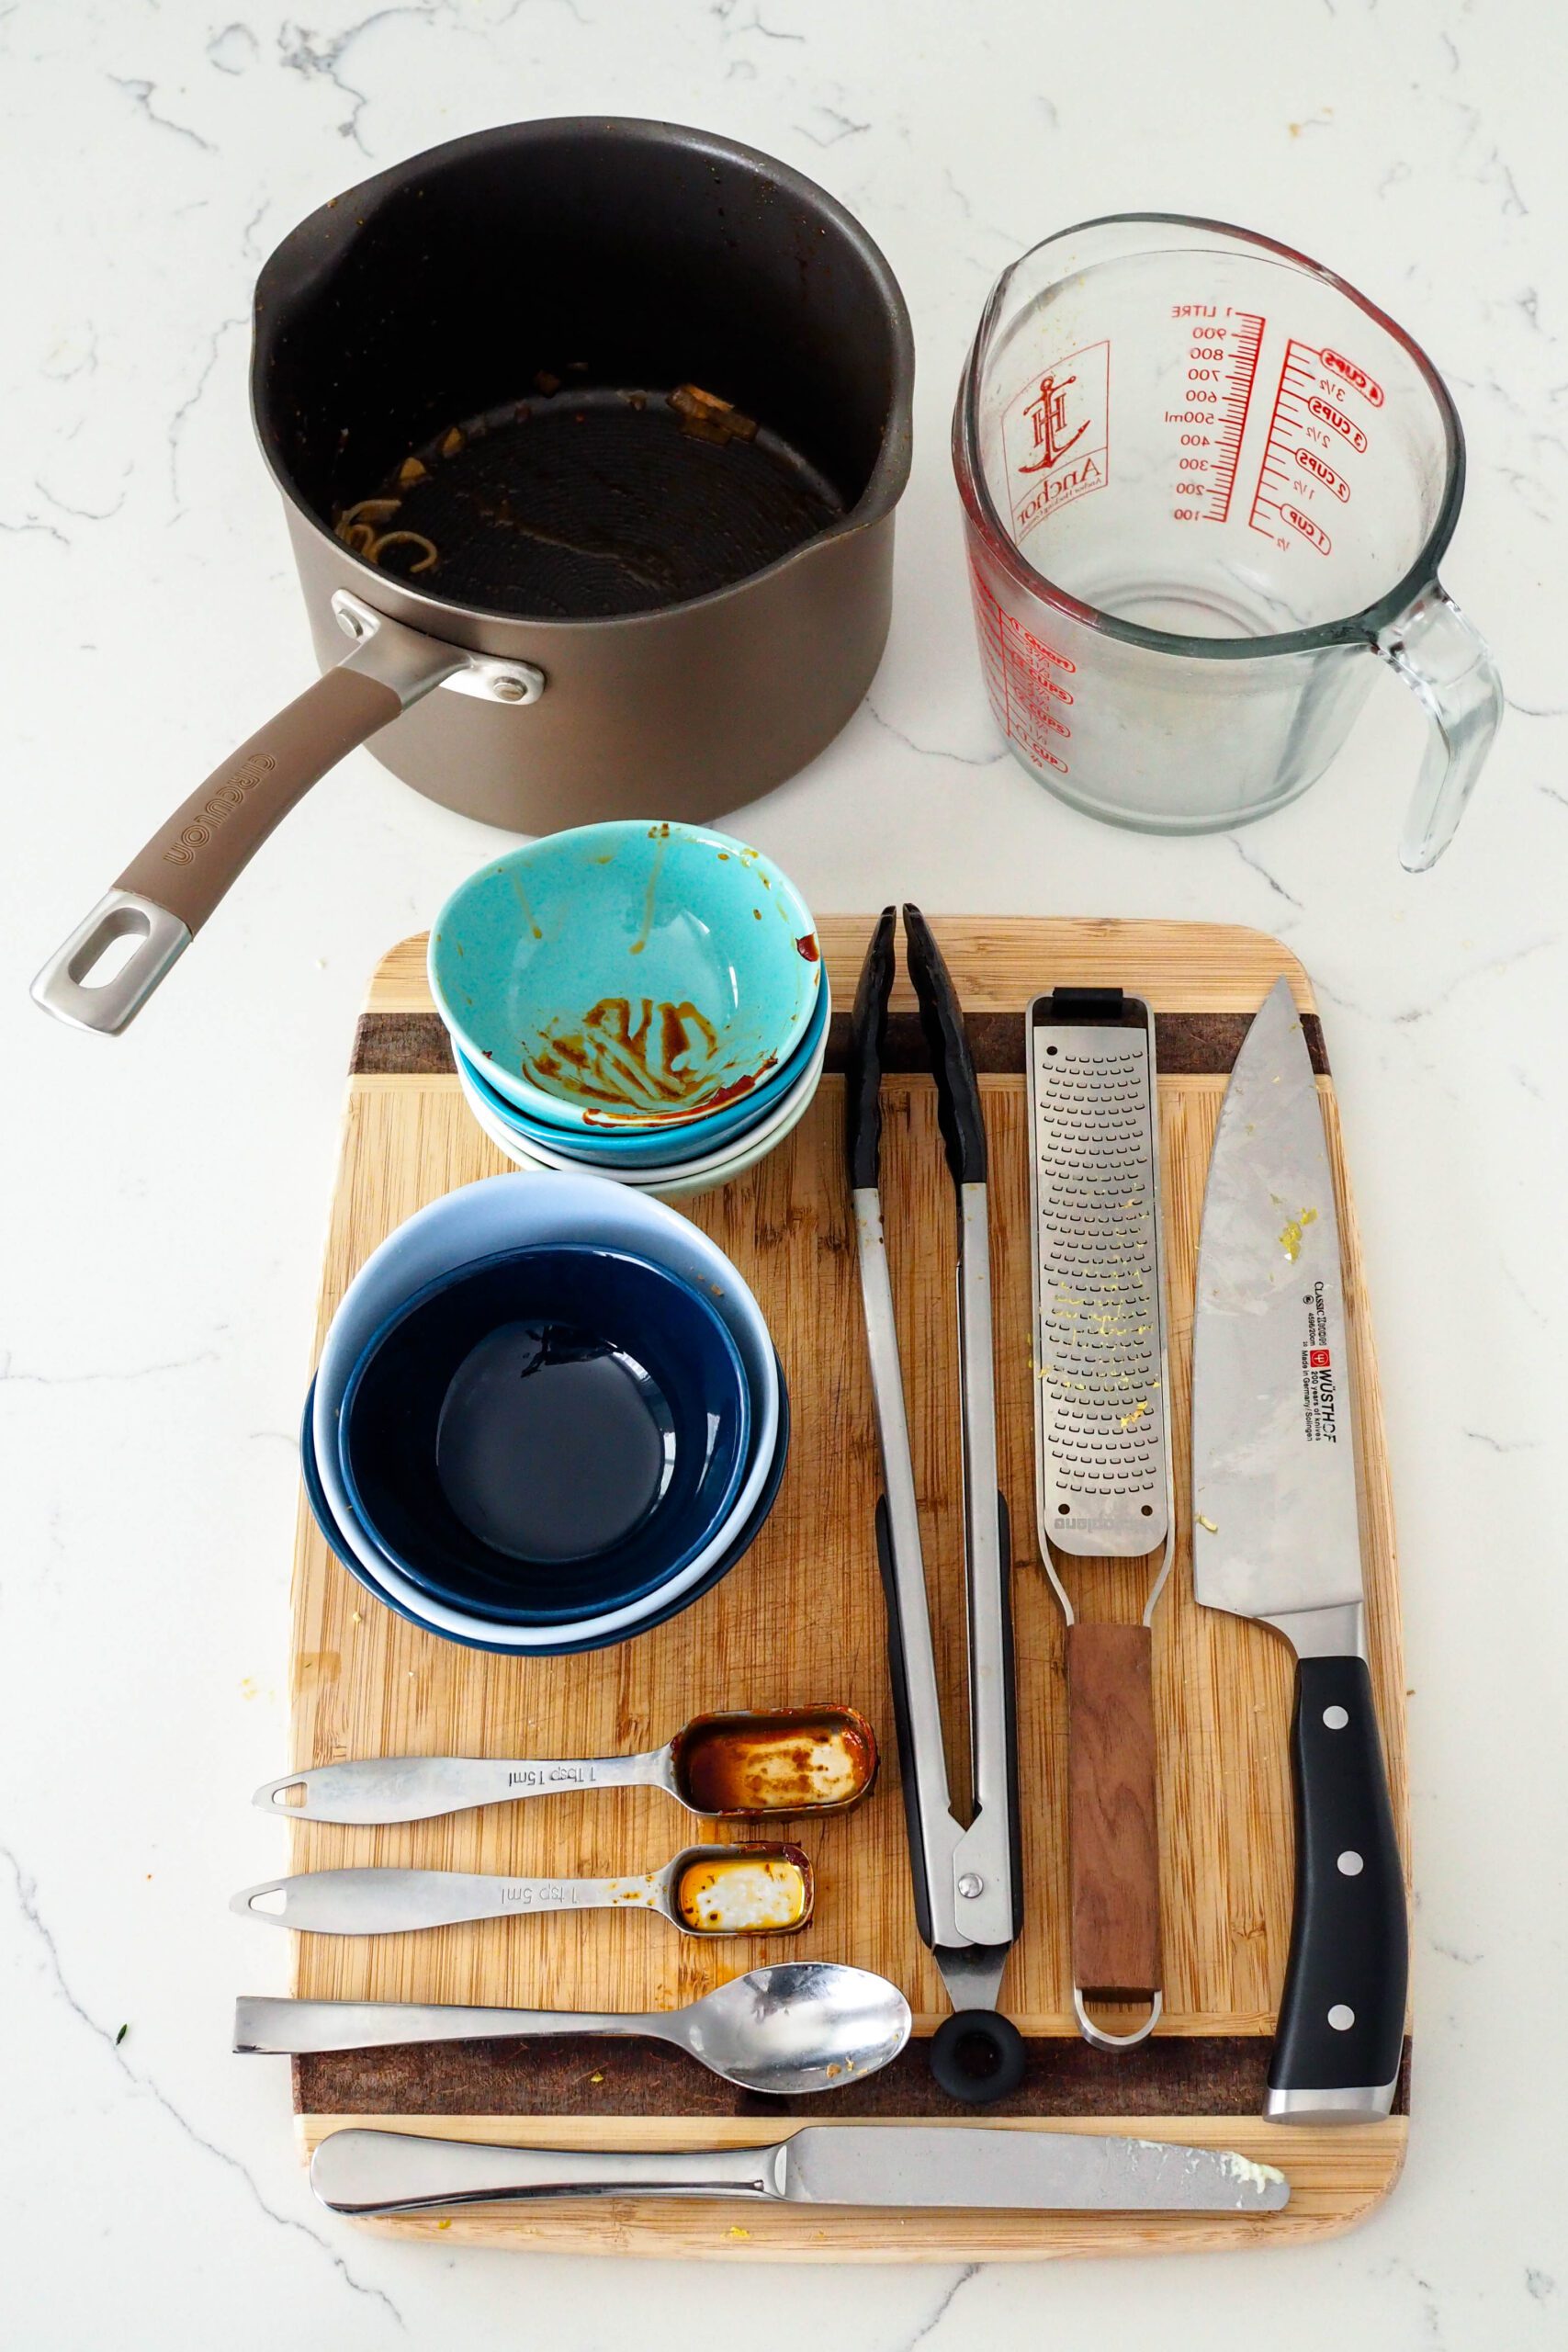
{"points": [[1313, 440], [1220, 366]]}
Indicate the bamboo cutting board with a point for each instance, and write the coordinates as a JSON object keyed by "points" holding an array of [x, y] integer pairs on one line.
{"points": [[800, 1619]]}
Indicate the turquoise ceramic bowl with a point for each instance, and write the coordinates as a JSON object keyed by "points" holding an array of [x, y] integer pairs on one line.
{"points": [[627, 978], [657, 1147]]}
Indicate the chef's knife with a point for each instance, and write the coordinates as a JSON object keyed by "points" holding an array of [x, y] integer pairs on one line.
{"points": [[358, 2171], [1276, 1537]]}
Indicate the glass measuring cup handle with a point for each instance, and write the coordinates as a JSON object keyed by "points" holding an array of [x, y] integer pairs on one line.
{"points": [[1445, 661]]}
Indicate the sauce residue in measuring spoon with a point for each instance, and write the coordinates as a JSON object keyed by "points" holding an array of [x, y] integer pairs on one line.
{"points": [[801, 1761], [744, 1890]]}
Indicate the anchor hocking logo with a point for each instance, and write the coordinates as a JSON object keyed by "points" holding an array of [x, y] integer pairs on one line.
{"points": [[1055, 435], [1048, 416]]}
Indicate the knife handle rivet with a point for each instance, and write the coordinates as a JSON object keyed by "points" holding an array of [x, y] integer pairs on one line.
{"points": [[1335, 1718], [1340, 2017], [1351, 1865]]}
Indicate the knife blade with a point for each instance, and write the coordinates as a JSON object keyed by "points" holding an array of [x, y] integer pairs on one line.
{"points": [[362, 2171], [1276, 1537]]}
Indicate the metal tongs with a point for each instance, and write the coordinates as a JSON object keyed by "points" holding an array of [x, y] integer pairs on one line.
{"points": [[967, 1876]]}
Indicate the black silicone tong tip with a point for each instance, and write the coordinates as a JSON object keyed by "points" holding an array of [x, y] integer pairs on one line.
{"points": [[863, 1069], [953, 1066]]}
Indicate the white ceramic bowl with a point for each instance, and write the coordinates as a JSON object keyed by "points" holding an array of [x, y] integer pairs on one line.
{"points": [[667, 1188], [503, 1212], [678, 1178]]}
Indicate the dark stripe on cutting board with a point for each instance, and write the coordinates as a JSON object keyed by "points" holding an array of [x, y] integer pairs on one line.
{"points": [[1174, 2074], [414, 1044]]}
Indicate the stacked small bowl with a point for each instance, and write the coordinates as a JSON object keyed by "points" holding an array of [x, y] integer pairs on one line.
{"points": [[646, 1000], [548, 1417]]}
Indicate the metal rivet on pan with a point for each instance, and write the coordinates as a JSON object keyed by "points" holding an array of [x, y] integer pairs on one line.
{"points": [[1351, 1864], [1335, 1718], [1340, 2017], [507, 687]]}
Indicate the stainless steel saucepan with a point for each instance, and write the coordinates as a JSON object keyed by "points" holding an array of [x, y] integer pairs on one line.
{"points": [[598, 425]]}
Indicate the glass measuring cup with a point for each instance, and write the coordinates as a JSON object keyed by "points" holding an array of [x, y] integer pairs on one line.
{"points": [[1201, 477]]}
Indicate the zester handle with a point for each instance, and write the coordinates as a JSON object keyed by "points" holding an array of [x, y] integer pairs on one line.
{"points": [[1113, 1823]]}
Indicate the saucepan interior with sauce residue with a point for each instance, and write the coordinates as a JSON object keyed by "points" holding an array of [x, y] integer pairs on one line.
{"points": [[599, 425]]}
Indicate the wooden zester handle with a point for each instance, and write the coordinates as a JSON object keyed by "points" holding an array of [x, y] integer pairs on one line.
{"points": [[1112, 1823]]}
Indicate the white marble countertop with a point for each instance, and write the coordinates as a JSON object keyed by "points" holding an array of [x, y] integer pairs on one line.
{"points": [[165, 1195]]}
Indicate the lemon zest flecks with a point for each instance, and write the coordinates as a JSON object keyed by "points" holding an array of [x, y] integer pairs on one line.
{"points": [[1208, 1523], [1290, 1238]]}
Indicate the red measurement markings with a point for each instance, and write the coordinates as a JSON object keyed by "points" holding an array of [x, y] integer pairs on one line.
{"points": [[1026, 681], [1346, 370], [1218, 392], [1311, 463], [1337, 421], [1234, 407], [1313, 533], [1306, 411]]}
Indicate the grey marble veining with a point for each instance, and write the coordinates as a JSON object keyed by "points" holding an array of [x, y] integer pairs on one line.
{"points": [[165, 1195]]}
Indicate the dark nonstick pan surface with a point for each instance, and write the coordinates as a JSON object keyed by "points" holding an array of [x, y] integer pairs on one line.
{"points": [[519, 311], [579, 502]]}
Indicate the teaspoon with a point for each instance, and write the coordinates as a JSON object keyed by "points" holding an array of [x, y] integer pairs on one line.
{"points": [[807, 2025]]}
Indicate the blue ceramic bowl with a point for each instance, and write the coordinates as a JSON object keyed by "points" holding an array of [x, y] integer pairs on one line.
{"points": [[626, 977], [545, 1435], [512, 1211], [383, 1583], [663, 1145]]}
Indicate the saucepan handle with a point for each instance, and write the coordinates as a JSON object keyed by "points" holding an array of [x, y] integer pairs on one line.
{"points": [[1446, 663], [170, 887]]}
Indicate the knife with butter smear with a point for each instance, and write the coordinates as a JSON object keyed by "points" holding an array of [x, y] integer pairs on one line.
{"points": [[872, 2165]]}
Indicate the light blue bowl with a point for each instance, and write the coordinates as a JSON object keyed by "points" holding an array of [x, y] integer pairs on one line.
{"points": [[627, 978], [661, 1146]]}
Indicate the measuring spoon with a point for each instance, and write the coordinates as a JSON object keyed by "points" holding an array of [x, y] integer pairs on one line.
{"points": [[705, 1890], [807, 2025], [722, 1768]]}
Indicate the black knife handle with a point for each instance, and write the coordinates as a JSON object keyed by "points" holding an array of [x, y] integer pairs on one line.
{"points": [[863, 1069], [952, 1065], [1342, 2016]]}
